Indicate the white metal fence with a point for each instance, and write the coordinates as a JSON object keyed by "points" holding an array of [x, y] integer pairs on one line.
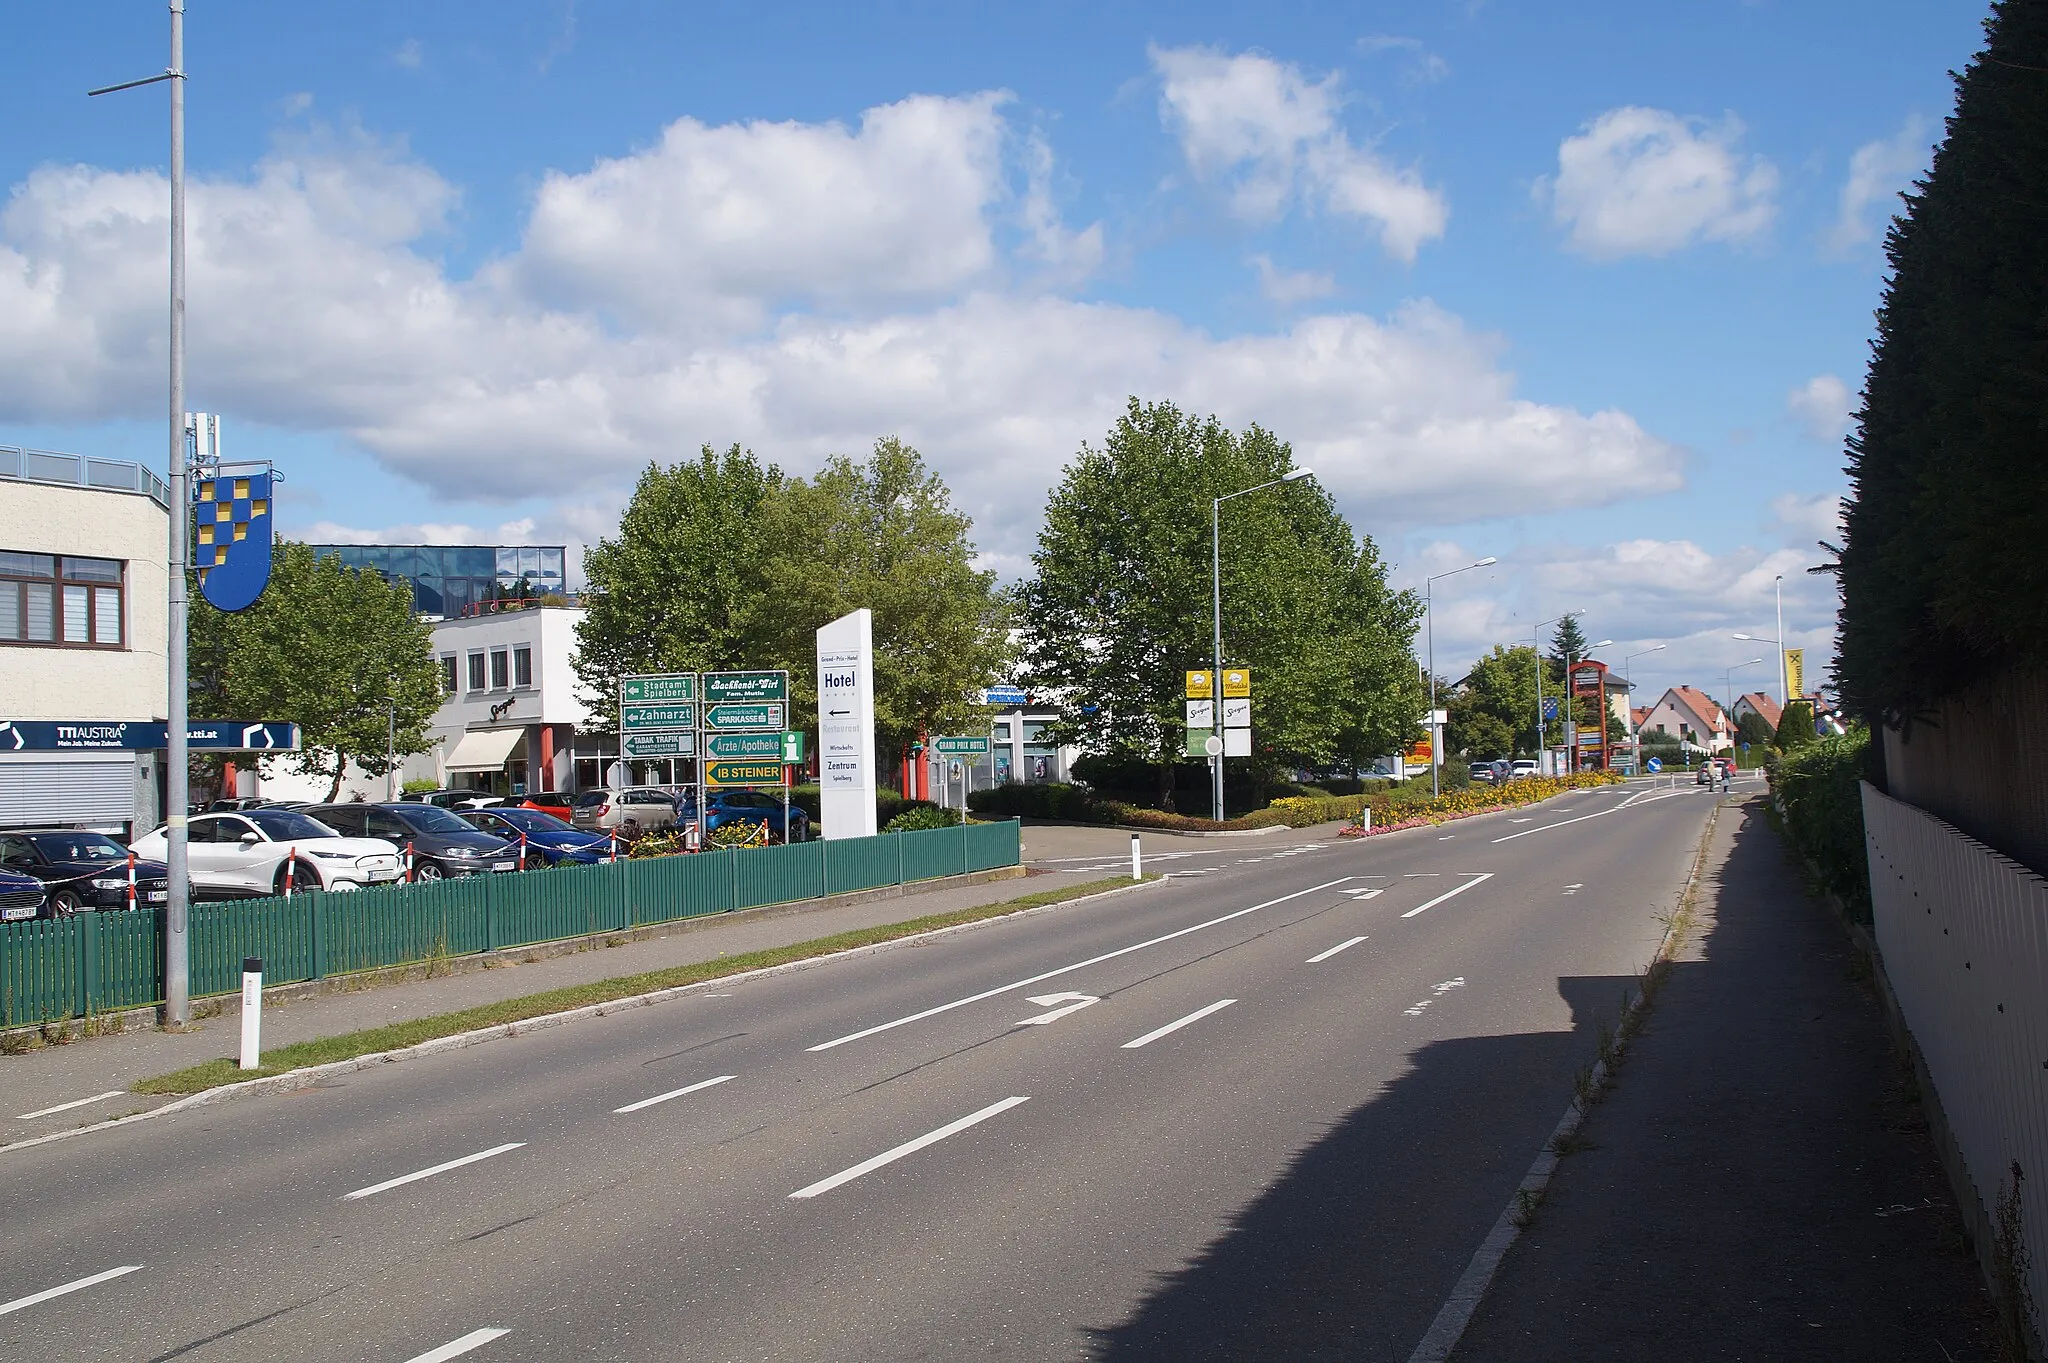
{"points": [[1963, 934]]}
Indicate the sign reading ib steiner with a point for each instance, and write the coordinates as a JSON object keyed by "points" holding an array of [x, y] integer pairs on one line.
{"points": [[846, 726]]}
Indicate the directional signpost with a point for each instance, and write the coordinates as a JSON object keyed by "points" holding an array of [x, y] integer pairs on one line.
{"points": [[657, 719], [658, 688], [737, 721], [746, 718], [733, 747], [744, 773], [658, 745], [746, 686]]}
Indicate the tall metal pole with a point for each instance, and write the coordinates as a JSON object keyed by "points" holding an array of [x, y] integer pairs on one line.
{"points": [[1784, 695], [177, 941], [1429, 631], [1216, 676]]}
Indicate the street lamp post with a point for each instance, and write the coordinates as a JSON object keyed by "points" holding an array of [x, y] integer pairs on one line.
{"points": [[1627, 677], [1436, 732], [1784, 686], [1728, 683], [177, 943], [1216, 621], [1536, 644]]}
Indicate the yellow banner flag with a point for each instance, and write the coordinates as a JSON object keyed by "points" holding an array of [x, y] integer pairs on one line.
{"points": [[1795, 673]]}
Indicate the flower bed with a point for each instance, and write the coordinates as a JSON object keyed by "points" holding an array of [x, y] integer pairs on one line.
{"points": [[1463, 804]]}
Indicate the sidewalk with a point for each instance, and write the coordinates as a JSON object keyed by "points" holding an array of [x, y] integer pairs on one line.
{"points": [[1759, 1183], [107, 1065]]}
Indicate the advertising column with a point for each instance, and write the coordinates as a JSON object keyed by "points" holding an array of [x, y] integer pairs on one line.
{"points": [[846, 726]]}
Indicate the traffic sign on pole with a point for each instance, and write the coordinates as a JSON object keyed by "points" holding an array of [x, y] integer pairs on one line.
{"points": [[733, 747], [746, 686], [743, 773], [658, 745], [747, 718], [658, 688], [657, 719]]}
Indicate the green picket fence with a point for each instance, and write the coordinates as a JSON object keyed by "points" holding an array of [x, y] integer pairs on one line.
{"points": [[99, 962]]}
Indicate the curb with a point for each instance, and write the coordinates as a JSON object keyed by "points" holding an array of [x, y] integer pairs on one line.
{"points": [[312, 1075], [1470, 1290]]}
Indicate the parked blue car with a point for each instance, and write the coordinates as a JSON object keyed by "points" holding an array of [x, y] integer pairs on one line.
{"points": [[548, 841], [744, 806], [21, 897]]}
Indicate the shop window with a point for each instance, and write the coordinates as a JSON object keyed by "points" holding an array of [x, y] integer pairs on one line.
{"points": [[61, 601], [522, 667], [501, 671]]}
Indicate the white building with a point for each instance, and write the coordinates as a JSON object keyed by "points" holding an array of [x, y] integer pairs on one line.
{"points": [[512, 718], [84, 563]]}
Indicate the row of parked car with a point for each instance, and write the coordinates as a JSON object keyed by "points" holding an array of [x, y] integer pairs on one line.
{"points": [[250, 849], [1500, 769]]}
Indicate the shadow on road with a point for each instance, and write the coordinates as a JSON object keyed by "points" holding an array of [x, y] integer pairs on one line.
{"points": [[1351, 1252]]}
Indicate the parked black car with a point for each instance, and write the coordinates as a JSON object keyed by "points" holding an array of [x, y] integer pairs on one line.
{"points": [[80, 870], [549, 841], [442, 844], [21, 897]]}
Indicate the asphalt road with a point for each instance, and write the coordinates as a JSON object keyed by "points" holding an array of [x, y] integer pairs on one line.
{"points": [[1264, 1109]]}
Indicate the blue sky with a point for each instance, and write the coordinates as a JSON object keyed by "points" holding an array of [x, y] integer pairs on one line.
{"points": [[1587, 287]]}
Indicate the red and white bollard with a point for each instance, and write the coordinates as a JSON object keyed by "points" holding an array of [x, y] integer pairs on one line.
{"points": [[131, 880], [408, 861], [291, 870], [614, 838], [522, 851]]}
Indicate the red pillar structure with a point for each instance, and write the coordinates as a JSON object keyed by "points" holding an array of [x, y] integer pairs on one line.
{"points": [[1589, 713]]}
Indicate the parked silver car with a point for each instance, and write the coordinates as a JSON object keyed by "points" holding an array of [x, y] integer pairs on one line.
{"points": [[629, 812]]}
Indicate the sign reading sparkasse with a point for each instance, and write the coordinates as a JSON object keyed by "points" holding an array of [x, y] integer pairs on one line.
{"points": [[731, 717], [746, 686]]}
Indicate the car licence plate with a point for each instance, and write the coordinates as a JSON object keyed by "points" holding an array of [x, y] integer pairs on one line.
{"points": [[502, 865], [158, 896], [10, 915], [383, 875]]}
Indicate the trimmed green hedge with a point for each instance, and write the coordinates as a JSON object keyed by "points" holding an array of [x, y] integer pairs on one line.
{"points": [[1818, 790]]}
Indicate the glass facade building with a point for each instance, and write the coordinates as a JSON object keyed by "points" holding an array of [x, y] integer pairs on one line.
{"points": [[447, 579]]}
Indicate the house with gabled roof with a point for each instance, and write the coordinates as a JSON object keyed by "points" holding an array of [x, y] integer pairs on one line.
{"points": [[1760, 704], [1688, 715]]}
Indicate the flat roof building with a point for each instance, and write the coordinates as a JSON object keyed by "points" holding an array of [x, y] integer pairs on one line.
{"points": [[448, 579]]}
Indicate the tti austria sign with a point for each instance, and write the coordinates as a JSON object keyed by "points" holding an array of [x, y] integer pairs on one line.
{"points": [[74, 735], [846, 726]]}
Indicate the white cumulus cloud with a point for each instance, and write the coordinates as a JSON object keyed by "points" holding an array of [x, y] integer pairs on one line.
{"points": [[319, 302], [1288, 287], [1877, 170], [1822, 407], [1640, 181], [1273, 138]]}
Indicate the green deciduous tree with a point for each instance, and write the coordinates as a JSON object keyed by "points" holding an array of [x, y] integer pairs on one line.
{"points": [[1119, 607], [336, 650], [883, 533], [1493, 713], [721, 563], [683, 586]]}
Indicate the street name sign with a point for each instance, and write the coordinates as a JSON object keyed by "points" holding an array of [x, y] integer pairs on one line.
{"points": [[969, 745], [765, 747], [743, 773], [659, 745], [657, 719], [746, 686], [738, 718], [658, 689]]}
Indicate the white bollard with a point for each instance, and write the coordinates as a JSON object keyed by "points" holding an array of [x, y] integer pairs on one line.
{"points": [[252, 1012], [1137, 860]]}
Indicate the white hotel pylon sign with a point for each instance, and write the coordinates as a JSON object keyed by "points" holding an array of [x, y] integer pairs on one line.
{"points": [[846, 726]]}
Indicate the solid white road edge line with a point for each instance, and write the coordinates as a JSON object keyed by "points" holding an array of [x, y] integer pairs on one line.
{"points": [[672, 1093], [1341, 946], [455, 1348], [1177, 1024], [1068, 969], [1450, 894], [868, 1166], [66, 1107], [23, 1303], [417, 1175]]}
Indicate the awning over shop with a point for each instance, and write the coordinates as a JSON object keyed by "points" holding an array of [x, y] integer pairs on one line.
{"points": [[485, 749]]}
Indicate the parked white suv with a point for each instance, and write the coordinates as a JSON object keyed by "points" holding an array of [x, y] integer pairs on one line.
{"points": [[250, 853]]}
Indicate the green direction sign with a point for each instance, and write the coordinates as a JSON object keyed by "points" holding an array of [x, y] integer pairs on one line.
{"points": [[762, 747], [662, 688], [759, 687], [655, 719], [743, 773], [746, 718], [969, 746], [658, 745]]}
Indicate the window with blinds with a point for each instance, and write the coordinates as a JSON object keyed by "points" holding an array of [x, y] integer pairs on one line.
{"points": [[59, 601]]}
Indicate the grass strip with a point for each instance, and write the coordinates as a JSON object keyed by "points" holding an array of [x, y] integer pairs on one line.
{"points": [[398, 1035]]}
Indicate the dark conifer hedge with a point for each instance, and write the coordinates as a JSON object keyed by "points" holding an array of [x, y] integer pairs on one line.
{"points": [[1945, 569]]}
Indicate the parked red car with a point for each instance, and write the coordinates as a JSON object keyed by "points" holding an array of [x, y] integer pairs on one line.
{"points": [[559, 803]]}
